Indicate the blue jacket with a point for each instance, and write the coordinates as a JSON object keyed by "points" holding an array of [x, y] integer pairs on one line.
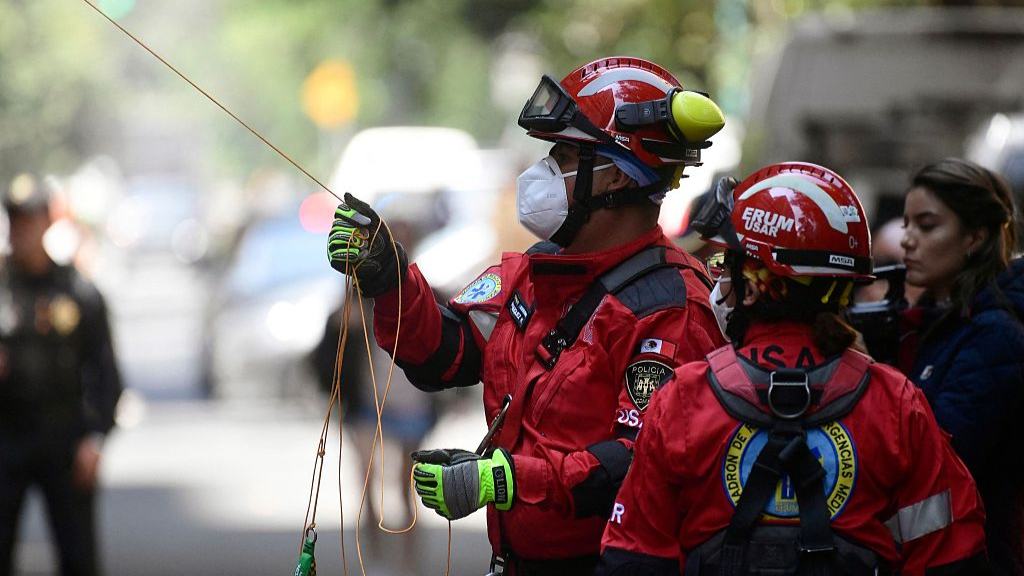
{"points": [[972, 372]]}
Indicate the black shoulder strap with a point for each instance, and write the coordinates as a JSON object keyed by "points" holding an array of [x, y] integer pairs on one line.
{"points": [[569, 326], [786, 452], [544, 247], [742, 387]]}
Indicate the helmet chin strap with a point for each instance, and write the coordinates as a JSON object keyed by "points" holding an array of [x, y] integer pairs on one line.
{"points": [[739, 320], [584, 203], [579, 212]]}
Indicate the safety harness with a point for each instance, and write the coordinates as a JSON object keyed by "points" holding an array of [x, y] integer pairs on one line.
{"points": [[568, 328], [784, 402]]}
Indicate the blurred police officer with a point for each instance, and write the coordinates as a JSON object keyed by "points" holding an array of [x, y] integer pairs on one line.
{"points": [[59, 385]]}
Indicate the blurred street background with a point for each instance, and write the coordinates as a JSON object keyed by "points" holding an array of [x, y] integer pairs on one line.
{"points": [[210, 248]]}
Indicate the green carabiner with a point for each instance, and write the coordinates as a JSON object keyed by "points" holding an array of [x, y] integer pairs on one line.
{"points": [[307, 563]]}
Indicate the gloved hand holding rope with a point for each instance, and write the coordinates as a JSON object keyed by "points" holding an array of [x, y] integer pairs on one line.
{"points": [[361, 245]]}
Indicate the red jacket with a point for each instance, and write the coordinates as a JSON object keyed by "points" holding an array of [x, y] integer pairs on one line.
{"points": [[678, 492], [595, 395]]}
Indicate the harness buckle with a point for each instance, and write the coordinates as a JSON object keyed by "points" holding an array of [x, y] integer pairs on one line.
{"points": [[789, 393], [551, 348], [497, 566]]}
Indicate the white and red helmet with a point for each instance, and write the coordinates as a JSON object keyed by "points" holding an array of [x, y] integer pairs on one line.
{"points": [[625, 102], [799, 219]]}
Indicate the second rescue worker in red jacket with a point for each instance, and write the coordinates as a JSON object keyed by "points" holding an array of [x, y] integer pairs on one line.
{"points": [[787, 452], [571, 338]]}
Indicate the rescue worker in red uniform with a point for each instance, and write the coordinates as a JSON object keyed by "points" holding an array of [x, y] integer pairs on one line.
{"points": [[788, 452], [570, 338]]}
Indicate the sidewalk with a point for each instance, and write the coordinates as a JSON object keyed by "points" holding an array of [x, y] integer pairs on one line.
{"points": [[205, 488]]}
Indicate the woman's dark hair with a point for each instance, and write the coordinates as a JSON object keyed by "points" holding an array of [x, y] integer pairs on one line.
{"points": [[792, 301], [982, 201]]}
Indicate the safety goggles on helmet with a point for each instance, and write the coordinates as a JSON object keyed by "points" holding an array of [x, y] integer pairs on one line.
{"points": [[551, 109], [716, 267]]}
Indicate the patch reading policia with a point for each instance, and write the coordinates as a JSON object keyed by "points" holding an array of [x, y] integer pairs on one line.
{"points": [[481, 290], [830, 444], [643, 378]]}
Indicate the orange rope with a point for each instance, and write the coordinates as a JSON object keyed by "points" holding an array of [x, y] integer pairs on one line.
{"points": [[335, 398], [309, 522], [379, 403], [211, 98]]}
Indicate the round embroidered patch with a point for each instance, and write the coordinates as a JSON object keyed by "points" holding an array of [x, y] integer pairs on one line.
{"points": [[831, 444], [643, 378], [481, 290]]}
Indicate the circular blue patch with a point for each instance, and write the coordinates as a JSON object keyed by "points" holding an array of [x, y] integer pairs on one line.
{"points": [[831, 444], [482, 289]]}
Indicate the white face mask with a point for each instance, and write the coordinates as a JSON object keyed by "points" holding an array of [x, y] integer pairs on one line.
{"points": [[542, 203], [721, 311]]}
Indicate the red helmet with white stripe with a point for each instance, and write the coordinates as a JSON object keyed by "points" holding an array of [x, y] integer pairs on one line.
{"points": [[626, 102], [799, 219]]}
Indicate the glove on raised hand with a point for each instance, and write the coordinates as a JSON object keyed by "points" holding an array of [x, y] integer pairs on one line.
{"points": [[456, 483], [350, 250], [713, 216]]}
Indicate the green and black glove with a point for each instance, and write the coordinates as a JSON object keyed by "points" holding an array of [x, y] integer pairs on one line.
{"points": [[350, 250], [456, 483]]}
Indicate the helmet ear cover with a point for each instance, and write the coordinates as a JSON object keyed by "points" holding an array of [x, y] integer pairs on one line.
{"points": [[633, 115], [670, 110]]}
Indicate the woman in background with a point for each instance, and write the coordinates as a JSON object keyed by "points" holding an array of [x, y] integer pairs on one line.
{"points": [[965, 348]]}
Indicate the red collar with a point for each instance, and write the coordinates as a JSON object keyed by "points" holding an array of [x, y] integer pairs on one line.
{"points": [[587, 266], [563, 276], [791, 343]]}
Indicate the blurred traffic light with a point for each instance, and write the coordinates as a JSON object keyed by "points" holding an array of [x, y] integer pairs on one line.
{"points": [[329, 95], [316, 214]]}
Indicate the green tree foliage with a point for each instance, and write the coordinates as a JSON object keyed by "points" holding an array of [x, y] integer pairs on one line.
{"points": [[71, 85], [678, 34], [56, 81]]}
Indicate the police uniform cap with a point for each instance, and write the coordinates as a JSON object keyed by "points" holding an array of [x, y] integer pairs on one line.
{"points": [[26, 194]]}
